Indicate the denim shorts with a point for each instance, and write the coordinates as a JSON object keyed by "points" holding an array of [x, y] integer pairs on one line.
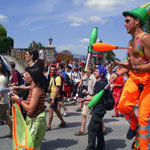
{"points": [[55, 102]]}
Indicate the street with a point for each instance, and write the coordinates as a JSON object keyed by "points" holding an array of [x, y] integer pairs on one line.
{"points": [[64, 139]]}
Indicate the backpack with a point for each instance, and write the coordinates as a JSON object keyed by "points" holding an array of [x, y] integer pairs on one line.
{"points": [[68, 81], [109, 101]]}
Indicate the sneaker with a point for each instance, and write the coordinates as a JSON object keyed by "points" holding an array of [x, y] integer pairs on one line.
{"points": [[78, 109], [131, 133], [65, 114], [48, 128], [62, 125]]}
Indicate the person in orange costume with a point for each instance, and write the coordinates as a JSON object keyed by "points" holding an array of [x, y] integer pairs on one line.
{"points": [[117, 87], [138, 66]]}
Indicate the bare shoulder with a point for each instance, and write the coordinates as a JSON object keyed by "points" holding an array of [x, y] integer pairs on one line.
{"points": [[37, 90], [145, 39]]}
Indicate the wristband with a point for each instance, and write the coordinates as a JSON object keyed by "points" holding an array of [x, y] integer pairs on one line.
{"points": [[19, 100], [116, 73]]}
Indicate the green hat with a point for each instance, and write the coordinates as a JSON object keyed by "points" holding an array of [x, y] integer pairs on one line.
{"points": [[140, 12]]}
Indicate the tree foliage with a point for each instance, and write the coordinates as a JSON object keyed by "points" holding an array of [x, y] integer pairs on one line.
{"points": [[110, 56], [36, 45], [3, 32], [6, 43], [147, 25], [66, 51]]}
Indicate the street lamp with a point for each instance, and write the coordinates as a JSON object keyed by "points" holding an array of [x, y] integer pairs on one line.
{"points": [[50, 41]]}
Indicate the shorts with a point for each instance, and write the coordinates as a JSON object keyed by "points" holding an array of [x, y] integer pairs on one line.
{"points": [[86, 111], [55, 102], [3, 112]]}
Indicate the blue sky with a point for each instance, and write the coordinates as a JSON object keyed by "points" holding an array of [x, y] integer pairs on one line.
{"points": [[68, 22]]}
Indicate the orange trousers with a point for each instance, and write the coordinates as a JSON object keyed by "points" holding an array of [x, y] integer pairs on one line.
{"points": [[131, 96]]}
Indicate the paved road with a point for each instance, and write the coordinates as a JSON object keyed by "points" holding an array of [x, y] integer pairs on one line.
{"points": [[64, 139]]}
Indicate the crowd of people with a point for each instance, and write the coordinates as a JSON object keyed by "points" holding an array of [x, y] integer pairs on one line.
{"points": [[70, 82], [62, 83]]}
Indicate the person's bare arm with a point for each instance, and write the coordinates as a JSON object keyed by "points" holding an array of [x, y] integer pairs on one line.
{"points": [[80, 83], [122, 71], [30, 107]]}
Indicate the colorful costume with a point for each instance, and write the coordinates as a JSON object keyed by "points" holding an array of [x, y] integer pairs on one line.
{"points": [[117, 91], [131, 95]]}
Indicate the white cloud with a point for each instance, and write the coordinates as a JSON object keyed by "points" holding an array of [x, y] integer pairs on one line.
{"points": [[85, 40], [75, 24], [3, 18], [97, 19], [76, 19], [103, 5]]}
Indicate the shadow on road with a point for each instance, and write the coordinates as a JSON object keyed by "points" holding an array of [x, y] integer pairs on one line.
{"points": [[115, 144], [73, 114], [69, 125], [73, 124], [106, 120], [58, 143], [108, 130]]}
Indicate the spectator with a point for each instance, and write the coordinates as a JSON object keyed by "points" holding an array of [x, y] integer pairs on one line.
{"points": [[35, 104], [117, 88], [4, 101], [42, 54], [14, 75], [54, 86], [88, 92]]}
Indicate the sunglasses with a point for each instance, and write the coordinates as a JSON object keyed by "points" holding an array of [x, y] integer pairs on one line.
{"points": [[127, 20]]}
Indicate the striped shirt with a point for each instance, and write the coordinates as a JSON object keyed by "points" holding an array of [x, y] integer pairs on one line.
{"points": [[40, 105]]}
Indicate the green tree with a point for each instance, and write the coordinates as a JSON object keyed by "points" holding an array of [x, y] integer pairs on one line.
{"points": [[66, 51], [3, 32], [36, 45], [6, 43], [147, 25], [110, 56]]}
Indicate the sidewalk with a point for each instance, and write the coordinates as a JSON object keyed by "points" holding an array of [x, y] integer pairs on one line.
{"points": [[19, 66]]}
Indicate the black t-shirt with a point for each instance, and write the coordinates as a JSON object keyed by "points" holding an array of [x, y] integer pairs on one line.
{"points": [[100, 107]]}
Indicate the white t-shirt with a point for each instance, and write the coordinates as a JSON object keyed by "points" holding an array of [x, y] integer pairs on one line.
{"points": [[42, 54], [69, 74], [3, 84], [77, 77]]}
